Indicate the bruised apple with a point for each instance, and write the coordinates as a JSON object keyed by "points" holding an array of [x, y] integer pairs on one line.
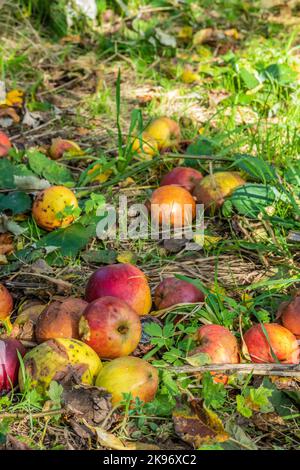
{"points": [[129, 375], [172, 291], [220, 346], [213, 189], [290, 316], [9, 363], [110, 327], [185, 177], [6, 306], [60, 146], [5, 144], [165, 131], [49, 207], [172, 204], [124, 281], [272, 340], [57, 359], [145, 145], [60, 320]]}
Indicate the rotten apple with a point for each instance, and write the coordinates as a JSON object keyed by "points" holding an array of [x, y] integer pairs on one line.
{"points": [[60, 320]]}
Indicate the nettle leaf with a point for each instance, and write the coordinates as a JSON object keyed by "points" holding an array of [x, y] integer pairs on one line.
{"points": [[6, 174], [17, 202], [49, 169], [256, 168], [251, 199]]}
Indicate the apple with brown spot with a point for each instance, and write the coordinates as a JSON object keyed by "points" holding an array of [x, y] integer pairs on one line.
{"points": [[60, 320]]}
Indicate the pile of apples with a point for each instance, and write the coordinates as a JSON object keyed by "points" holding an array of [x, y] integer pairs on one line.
{"points": [[77, 335]]}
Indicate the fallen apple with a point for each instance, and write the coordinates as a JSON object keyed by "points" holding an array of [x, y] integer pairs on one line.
{"points": [[60, 320], [165, 131], [172, 205], [124, 281], [145, 144], [290, 316], [9, 363], [57, 359], [172, 291], [50, 205], [6, 307], [129, 375], [61, 146], [5, 144], [110, 327], [220, 346], [271, 343], [213, 189], [181, 176]]}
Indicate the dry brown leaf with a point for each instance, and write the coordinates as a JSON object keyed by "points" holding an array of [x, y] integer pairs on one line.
{"points": [[197, 425], [203, 36], [110, 441], [6, 243]]}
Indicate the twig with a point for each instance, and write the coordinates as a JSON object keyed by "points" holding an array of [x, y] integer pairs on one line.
{"points": [[282, 370], [58, 282], [41, 414]]}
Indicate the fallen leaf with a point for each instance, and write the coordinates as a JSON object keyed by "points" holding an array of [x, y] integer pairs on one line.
{"points": [[197, 425], [188, 76], [14, 98], [203, 36], [186, 32], [108, 440], [126, 257]]}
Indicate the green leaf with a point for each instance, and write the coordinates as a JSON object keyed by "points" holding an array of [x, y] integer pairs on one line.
{"points": [[100, 256], [280, 73], [242, 407], [69, 241], [153, 329], [55, 392], [18, 202], [239, 435], [257, 168], [249, 79], [54, 172], [213, 393], [202, 146], [6, 174], [252, 199]]}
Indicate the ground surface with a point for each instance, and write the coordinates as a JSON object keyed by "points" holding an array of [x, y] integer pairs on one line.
{"points": [[230, 76]]}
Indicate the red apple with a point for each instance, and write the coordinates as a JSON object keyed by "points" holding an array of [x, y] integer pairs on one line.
{"points": [[129, 375], [5, 144], [283, 343], [123, 281], [110, 327], [185, 177], [219, 344], [60, 320], [290, 316], [9, 363], [172, 291]]}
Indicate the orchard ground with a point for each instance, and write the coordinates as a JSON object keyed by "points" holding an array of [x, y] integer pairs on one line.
{"points": [[229, 75]]}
